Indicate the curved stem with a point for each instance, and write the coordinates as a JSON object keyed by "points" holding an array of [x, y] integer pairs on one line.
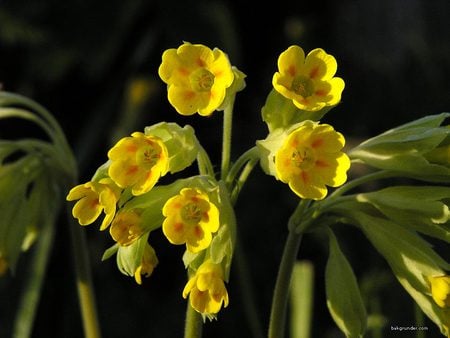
{"points": [[361, 180], [226, 139], [282, 286], [242, 179], [84, 282], [194, 323], [249, 155], [205, 166]]}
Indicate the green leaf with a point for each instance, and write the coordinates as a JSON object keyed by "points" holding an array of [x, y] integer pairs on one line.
{"points": [[421, 208], [343, 296]]}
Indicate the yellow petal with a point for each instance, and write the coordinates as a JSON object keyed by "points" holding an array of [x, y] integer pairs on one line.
{"points": [[320, 65]]}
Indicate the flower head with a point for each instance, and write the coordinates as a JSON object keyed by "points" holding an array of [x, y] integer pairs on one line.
{"points": [[207, 289], [311, 158], [138, 162], [440, 290], [309, 81], [197, 78], [126, 227], [148, 264], [190, 219], [93, 198]]}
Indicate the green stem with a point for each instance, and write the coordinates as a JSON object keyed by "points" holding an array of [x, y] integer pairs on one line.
{"points": [[30, 298], [302, 291], [205, 166], [282, 286], [242, 179], [226, 139], [84, 282], [382, 174], [420, 320], [194, 323]]}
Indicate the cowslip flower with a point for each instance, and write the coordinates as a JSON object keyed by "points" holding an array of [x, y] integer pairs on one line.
{"points": [[207, 289], [148, 264], [93, 198], [440, 290], [190, 218], [309, 81], [138, 162], [196, 77], [311, 158], [126, 227]]}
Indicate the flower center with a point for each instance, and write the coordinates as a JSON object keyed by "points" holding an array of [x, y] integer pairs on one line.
{"points": [[191, 213], [201, 80], [303, 158], [303, 86], [148, 156]]}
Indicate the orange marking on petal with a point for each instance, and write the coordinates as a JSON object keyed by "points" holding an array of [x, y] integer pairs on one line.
{"points": [[304, 177], [292, 70], [313, 73], [131, 148], [317, 143], [321, 164], [183, 71], [132, 170], [201, 63], [320, 92], [198, 231], [178, 227], [94, 203]]}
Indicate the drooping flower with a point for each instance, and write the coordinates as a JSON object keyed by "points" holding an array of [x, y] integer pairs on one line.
{"points": [[190, 218], [309, 81], [440, 290], [138, 162], [197, 78], [311, 159], [148, 264], [207, 289], [93, 198], [126, 227]]}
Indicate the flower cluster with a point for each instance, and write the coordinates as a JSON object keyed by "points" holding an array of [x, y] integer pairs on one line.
{"points": [[300, 151]]}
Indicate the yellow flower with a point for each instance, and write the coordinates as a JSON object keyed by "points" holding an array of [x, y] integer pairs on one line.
{"points": [[207, 289], [138, 162], [148, 264], [440, 290], [310, 158], [190, 219], [126, 227], [197, 78], [93, 198], [309, 81]]}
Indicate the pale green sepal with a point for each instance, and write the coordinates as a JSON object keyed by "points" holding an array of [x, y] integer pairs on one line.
{"points": [[273, 142], [129, 258], [222, 246], [237, 85], [343, 296], [421, 208], [111, 251], [280, 112], [181, 143]]}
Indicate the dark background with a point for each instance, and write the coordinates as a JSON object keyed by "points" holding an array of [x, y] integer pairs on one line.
{"points": [[78, 57]]}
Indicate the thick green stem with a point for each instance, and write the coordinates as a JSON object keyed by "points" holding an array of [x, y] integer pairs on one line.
{"points": [[84, 282], [226, 139], [30, 298], [302, 291], [282, 286], [194, 323]]}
